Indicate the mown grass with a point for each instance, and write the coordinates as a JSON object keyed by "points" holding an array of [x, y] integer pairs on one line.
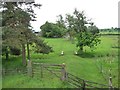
{"points": [[84, 67]]}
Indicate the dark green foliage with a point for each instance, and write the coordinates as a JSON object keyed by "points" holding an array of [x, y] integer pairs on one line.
{"points": [[51, 30], [15, 51], [89, 38], [4, 50], [70, 27], [42, 47], [110, 29], [61, 24], [86, 33], [17, 30]]}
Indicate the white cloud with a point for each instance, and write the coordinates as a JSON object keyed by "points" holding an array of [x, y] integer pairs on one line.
{"points": [[103, 12]]}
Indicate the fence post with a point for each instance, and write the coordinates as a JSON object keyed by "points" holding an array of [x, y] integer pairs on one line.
{"points": [[84, 85], [63, 72], [110, 83], [41, 70], [29, 68], [110, 80]]}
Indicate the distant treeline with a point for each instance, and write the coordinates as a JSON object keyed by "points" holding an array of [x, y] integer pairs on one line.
{"points": [[110, 30], [102, 34]]}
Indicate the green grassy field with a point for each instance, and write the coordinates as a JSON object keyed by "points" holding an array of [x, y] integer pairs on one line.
{"points": [[84, 67]]}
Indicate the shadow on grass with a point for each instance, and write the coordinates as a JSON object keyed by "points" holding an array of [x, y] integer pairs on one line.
{"points": [[11, 58], [93, 54], [13, 62], [118, 47], [86, 55], [99, 55]]}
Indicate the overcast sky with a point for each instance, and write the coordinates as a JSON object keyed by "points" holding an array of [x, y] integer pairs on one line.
{"points": [[104, 13]]}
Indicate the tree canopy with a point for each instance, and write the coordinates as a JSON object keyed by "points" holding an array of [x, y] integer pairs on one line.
{"points": [[86, 33], [51, 30], [16, 28]]}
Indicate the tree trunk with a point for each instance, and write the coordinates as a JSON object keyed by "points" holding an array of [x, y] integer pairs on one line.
{"points": [[28, 51], [7, 54], [80, 51], [23, 55]]}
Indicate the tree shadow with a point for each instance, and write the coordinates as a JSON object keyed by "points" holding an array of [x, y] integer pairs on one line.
{"points": [[118, 47], [86, 55], [98, 54]]}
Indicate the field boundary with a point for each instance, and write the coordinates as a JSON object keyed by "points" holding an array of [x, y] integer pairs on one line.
{"points": [[110, 34], [59, 70], [70, 78]]}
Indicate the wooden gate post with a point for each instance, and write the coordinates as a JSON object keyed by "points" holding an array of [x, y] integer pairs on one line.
{"points": [[83, 85], [29, 68], [110, 83], [63, 72]]}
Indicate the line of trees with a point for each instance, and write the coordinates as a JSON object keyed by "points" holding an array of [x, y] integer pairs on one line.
{"points": [[76, 26], [17, 33], [110, 30]]}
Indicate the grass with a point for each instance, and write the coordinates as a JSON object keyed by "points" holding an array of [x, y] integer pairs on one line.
{"points": [[85, 67], [112, 32], [28, 82]]}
